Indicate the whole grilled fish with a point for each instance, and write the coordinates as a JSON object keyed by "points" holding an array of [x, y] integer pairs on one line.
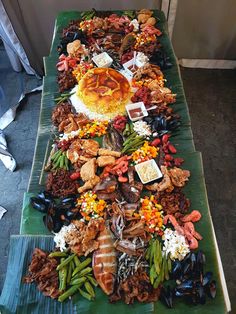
{"points": [[104, 261]]}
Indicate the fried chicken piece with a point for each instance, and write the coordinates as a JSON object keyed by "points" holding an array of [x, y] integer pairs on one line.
{"points": [[103, 161], [82, 240], [88, 170], [91, 147], [164, 184], [82, 150], [179, 176], [108, 152], [89, 184]]}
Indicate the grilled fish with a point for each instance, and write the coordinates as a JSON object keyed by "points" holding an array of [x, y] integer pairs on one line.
{"points": [[104, 261]]}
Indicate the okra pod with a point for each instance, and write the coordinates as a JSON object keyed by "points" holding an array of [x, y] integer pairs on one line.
{"points": [[57, 254], [68, 293], [78, 281], [92, 280], [85, 294], [89, 289], [65, 262], [85, 271], [77, 261], [82, 266]]}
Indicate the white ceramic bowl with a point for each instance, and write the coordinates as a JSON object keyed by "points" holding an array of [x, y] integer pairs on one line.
{"points": [[148, 171], [136, 105], [102, 60]]}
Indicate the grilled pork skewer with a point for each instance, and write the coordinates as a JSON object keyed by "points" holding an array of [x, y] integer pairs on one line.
{"points": [[104, 261]]}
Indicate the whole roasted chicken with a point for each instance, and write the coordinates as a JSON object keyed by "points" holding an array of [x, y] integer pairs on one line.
{"points": [[104, 261]]}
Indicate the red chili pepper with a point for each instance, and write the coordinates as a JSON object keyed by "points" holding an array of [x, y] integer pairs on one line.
{"points": [[156, 142], [75, 176], [172, 149], [165, 138]]}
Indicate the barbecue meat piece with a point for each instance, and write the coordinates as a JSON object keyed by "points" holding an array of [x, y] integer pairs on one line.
{"points": [[131, 192], [42, 271]]}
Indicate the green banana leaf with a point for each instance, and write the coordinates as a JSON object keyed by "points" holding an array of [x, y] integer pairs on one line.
{"points": [[18, 297], [31, 222]]}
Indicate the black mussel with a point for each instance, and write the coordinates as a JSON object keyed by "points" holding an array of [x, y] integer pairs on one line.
{"points": [[46, 197], [167, 296], [200, 294], [39, 204], [68, 202], [187, 267], [185, 285], [193, 260], [201, 259], [207, 278], [53, 223], [72, 213], [48, 222], [176, 269], [57, 225], [212, 289], [148, 119], [182, 293]]}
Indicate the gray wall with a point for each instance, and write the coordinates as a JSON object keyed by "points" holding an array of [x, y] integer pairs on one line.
{"points": [[205, 29]]}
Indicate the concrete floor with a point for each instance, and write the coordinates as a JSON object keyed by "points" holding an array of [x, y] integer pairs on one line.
{"points": [[211, 98]]}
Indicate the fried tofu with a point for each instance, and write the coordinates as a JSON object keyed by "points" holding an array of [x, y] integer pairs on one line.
{"points": [[103, 161], [108, 152], [88, 170]]}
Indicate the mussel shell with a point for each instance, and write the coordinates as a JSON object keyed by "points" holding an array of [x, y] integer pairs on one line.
{"points": [[39, 204], [201, 294], [212, 289], [176, 269], [53, 223], [68, 200], [207, 278], [167, 296], [185, 285], [48, 222]]}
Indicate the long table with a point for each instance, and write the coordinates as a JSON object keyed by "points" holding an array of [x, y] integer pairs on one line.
{"points": [[31, 221]]}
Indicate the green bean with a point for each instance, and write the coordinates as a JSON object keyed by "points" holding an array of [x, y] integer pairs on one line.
{"points": [[56, 155], [66, 163], [66, 261], [62, 160], [68, 293], [57, 254], [82, 266]]}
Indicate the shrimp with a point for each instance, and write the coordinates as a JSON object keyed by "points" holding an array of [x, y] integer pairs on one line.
{"points": [[194, 216]]}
